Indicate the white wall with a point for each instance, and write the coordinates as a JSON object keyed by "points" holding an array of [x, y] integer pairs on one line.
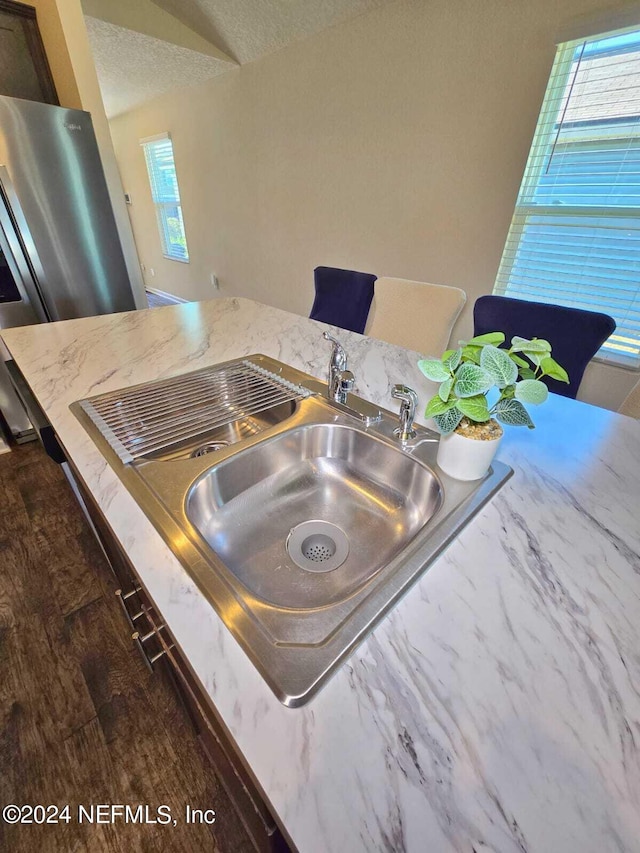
{"points": [[393, 143]]}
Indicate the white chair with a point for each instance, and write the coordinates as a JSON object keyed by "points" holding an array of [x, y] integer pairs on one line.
{"points": [[414, 314], [631, 403]]}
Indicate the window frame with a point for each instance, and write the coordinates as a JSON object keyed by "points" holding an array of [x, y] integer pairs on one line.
{"points": [[161, 206], [542, 147]]}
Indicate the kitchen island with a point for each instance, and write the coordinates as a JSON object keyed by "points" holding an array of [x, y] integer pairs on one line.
{"points": [[497, 707]]}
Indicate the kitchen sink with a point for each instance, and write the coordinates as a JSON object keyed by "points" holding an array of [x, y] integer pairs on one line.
{"points": [[307, 517], [210, 440], [302, 520]]}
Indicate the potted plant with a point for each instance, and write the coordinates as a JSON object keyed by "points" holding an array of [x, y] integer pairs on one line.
{"points": [[471, 427]]}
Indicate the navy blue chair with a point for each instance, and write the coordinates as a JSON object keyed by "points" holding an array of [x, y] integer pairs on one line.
{"points": [[575, 335], [343, 297]]}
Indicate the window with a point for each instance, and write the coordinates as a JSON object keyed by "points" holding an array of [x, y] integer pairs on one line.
{"points": [[158, 153], [575, 235]]}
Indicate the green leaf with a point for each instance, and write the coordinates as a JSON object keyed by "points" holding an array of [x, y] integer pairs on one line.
{"points": [[499, 366], [512, 412], [445, 389], [527, 346], [447, 422], [452, 358], [526, 373], [521, 362], [471, 354], [508, 392], [475, 408], [551, 368], [472, 380], [531, 391], [436, 406], [493, 338], [433, 369]]}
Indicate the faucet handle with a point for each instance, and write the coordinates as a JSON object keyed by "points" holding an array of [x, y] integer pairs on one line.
{"points": [[329, 337], [338, 353], [337, 364], [408, 405]]}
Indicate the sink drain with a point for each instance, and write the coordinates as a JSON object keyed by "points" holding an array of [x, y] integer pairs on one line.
{"points": [[211, 447], [317, 546]]}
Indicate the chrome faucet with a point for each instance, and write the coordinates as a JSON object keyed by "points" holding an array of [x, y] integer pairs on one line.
{"points": [[409, 399], [340, 381]]}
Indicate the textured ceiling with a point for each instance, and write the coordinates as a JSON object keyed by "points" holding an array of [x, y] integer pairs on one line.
{"points": [[135, 66], [249, 29]]}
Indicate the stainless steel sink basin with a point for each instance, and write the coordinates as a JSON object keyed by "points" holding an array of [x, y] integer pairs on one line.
{"points": [[304, 524], [356, 501], [212, 440]]}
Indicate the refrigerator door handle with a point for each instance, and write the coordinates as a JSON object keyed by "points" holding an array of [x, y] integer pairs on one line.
{"points": [[19, 248]]}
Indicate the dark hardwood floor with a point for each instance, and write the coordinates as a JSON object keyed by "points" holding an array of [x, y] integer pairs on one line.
{"points": [[82, 721]]}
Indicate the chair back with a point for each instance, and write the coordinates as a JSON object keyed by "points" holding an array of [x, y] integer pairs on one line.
{"points": [[631, 403], [343, 297], [575, 335], [415, 314]]}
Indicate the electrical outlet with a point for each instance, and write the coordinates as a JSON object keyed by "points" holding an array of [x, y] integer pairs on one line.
{"points": [[215, 284], [152, 272]]}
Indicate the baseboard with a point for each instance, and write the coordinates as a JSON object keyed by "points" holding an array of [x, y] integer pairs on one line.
{"points": [[169, 297]]}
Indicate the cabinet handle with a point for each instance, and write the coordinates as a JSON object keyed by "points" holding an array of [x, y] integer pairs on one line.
{"points": [[136, 639], [140, 640], [126, 595], [151, 633], [157, 656], [122, 596]]}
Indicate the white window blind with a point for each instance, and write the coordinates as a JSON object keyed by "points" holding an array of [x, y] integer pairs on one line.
{"points": [[575, 235], [158, 152]]}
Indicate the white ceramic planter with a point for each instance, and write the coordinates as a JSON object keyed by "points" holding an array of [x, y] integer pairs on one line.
{"points": [[466, 458]]}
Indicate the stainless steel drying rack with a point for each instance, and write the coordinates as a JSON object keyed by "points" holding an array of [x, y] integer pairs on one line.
{"points": [[148, 418]]}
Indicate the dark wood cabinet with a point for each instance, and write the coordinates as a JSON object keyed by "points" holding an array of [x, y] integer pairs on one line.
{"points": [[24, 69], [156, 644]]}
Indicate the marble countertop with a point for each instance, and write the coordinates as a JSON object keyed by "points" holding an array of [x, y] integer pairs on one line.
{"points": [[497, 707]]}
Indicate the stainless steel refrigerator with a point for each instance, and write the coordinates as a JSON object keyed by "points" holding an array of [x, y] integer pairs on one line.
{"points": [[60, 253]]}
